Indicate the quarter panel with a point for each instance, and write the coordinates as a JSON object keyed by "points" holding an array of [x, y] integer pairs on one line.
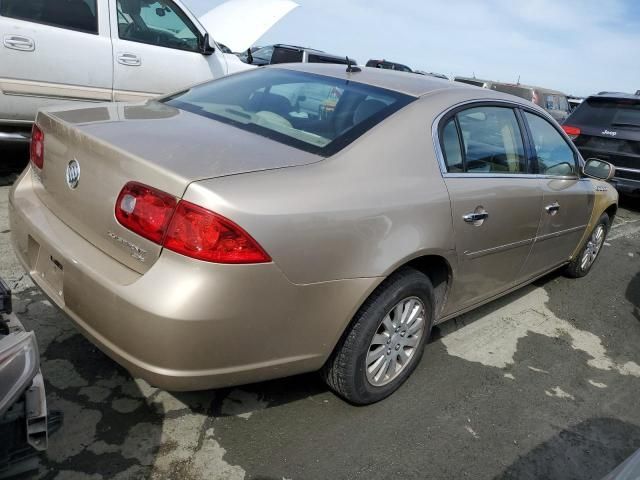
{"points": [[360, 213]]}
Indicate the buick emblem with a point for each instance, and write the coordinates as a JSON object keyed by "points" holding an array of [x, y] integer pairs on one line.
{"points": [[73, 174]]}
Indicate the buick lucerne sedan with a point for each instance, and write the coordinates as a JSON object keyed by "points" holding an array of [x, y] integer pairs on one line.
{"points": [[299, 218]]}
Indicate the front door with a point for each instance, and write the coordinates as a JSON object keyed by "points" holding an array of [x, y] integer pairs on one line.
{"points": [[567, 199], [156, 49], [495, 201]]}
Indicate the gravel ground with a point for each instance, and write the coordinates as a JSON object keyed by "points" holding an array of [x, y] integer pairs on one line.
{"points": [[543, 383]]}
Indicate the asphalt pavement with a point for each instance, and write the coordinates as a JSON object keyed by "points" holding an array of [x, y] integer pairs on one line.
{"points": [[543, 383]]}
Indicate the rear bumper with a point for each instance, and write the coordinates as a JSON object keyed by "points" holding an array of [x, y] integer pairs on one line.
{"points": [[626, 186], [184, 324], [12, 133], [15, 137]]}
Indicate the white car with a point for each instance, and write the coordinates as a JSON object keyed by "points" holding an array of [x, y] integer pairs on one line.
{"points": [[56, 51]]}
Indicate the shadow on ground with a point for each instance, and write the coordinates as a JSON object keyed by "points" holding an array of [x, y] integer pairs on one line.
{"points": [[593, 447]]}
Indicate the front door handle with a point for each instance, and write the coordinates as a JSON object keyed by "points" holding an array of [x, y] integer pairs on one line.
{"points": [[476, 217], [129, 59], [553, 208], [17, 42]]}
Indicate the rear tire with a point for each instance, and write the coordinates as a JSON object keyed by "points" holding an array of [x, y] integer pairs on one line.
{"points": [[384, 343], [588, 254]]}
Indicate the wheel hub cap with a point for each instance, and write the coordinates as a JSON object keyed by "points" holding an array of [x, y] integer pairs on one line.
{"points": [[594, 244], [402, 328]]}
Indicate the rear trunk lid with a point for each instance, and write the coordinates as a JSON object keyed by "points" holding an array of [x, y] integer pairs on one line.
{"points": [[150, 143], [610, 130]]}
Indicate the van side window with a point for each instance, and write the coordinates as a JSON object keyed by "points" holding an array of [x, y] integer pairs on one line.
{"points": [[564, 104], [79, 15], [553, 154], [286, 55], [159, 23]]}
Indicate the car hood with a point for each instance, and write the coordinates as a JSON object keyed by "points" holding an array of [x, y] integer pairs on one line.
{"points": [[238, 24]]}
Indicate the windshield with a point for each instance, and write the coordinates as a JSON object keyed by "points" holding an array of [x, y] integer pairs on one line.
{"points": [[607, 112], [311, 112]]}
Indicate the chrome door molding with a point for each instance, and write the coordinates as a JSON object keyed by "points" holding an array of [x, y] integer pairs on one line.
{"points": [[54, 91]]}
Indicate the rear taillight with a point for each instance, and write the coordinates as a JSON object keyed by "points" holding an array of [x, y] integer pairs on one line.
{"points": [[145, 210], [199, 233], [37, 147], [185, 228], [573, 132]]}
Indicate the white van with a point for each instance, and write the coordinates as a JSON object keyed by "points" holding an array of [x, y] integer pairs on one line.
{"points": [[57, 51]]}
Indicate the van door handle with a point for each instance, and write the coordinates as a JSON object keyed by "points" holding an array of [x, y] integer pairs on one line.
{"points": [[475, 217], [129, 59], [17, 42], [553, 208]]}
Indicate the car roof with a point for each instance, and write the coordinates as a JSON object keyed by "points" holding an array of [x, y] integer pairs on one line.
{"points": [[480, 80], [618, 95], [414, 85], [532, 87]]}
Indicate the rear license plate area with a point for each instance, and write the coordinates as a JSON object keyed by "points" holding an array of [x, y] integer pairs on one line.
{"points": [[49, 273]]}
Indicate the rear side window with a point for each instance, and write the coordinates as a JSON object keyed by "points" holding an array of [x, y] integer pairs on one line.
{"points": [[315, 58], [553, 154], [607, 112], [550, 102], [286, 55], [159, 23], [564, 103], [491, 142], [452, 149], [79, 15], [311, 112]]}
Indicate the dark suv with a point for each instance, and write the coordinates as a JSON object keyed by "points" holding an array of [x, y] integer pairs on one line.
{"points": [[607, 126]]}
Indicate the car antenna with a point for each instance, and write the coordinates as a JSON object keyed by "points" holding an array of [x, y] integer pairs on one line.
{"points": [[352, 67]]}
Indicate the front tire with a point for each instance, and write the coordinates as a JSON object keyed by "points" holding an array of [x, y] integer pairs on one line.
{"points": [[385, 341], [586, 257]]}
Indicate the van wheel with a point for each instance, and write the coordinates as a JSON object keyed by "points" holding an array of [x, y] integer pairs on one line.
{"points": [[586, 257], [384, 343]]}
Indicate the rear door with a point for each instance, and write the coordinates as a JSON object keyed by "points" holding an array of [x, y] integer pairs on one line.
{"points": [[495, 200], [52, 52], [567, 199], [157, 50]]}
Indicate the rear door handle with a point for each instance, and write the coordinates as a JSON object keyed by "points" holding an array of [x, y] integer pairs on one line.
{"points": [[17, 42], [129, 59], [553, 208], [475, 217]]}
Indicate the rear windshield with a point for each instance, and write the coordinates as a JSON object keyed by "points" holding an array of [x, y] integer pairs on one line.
{"points": [[607, 112], [311, 112]]}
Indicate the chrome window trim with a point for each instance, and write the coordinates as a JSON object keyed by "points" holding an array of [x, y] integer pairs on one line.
{"points": [[435, 126]]}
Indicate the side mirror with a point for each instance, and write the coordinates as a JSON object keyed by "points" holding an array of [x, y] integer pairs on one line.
{"points": [[599, 169], [206, 48], [249, 56]]}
